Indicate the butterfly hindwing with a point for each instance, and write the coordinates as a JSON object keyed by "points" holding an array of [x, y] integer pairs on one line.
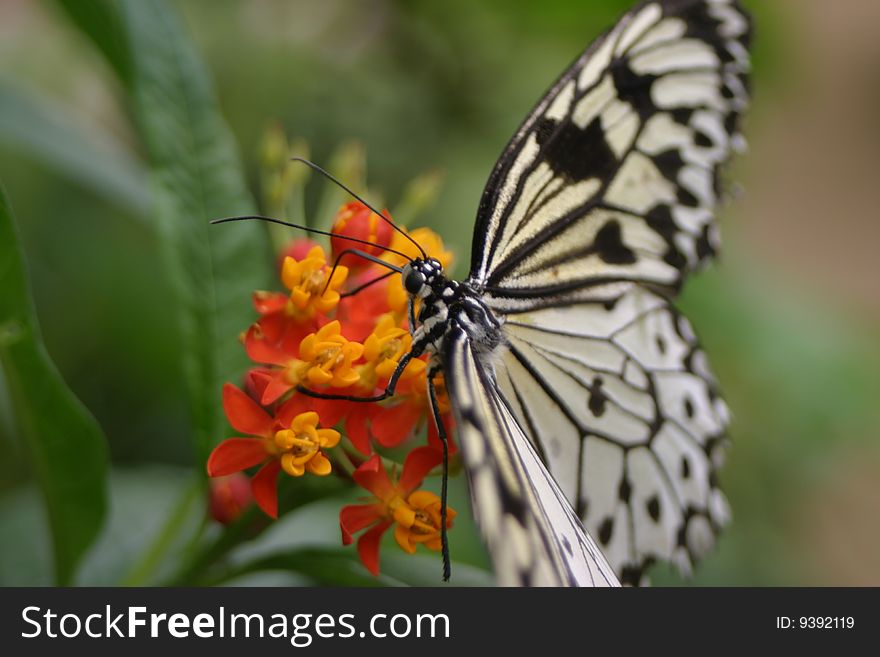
{"points": [[530, 529], [614, 175], [618, 399]]}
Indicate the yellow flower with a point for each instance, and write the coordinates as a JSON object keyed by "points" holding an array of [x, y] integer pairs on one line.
{"points": [[311, 286], [326, 358], [300, 446], [383, 349], [418, 521]]}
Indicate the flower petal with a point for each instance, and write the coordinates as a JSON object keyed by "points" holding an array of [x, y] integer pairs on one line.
{"points": [[372, 476], [244, 413], [276, 388], [319, 465], [260, 348], [418, 463], [236, 454], [422, 499], [368, 546], [265, 489], [356, 429], [355, 517], [401, 535], [297, 404], [328, 438], [393, 424]]}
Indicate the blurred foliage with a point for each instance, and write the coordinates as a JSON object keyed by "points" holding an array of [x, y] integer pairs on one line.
{"points": [[113, 149]]}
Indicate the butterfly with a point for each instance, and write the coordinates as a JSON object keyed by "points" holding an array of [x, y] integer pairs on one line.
{"points": [[590, 424], [582, 398]]}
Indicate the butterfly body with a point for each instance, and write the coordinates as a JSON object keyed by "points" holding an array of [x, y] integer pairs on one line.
{"points": [[447, 304]]}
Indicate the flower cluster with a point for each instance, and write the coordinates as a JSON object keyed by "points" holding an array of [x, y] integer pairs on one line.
{"points": [[340, 328]]}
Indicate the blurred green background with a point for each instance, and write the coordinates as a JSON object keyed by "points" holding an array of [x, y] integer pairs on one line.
{"points": [[790, 316]]}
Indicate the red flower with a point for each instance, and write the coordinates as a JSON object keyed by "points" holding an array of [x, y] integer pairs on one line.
{"points": [[290, 441], [415, 513], [322, 358], [357, 220]]}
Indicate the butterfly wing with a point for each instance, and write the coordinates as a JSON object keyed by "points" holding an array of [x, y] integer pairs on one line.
{"points": [[614, 175], [599, 208], [617, 397], [530, 529]]}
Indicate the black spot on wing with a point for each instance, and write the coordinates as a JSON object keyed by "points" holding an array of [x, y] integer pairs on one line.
{"points": [[610, 247], [682, 115], [685, 468], [702, 139], [577, 154], [605, 530], [567, 545], [704, 245], [633, 574], [659, 219], [686, 198], [653, 507], [731, 123], [624, 491], [633, 88], [688, 407], [661, 344], [598, 398], [670, 163]]}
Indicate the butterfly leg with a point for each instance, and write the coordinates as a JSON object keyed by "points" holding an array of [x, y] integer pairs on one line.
{"points": [[441, 432]]}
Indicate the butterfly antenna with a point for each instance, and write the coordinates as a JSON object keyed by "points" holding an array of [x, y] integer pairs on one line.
{"points": [[366, 256], [271, 220], [338, 183], [364, 286]]}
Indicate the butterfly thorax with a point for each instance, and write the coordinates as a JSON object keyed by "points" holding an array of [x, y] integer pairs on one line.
{"points": [[446, 304]]}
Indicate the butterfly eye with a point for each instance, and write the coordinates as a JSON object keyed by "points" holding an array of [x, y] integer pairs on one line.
{"points": [[413, 281]]}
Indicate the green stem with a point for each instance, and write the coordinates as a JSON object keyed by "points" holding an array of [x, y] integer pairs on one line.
{"points": [[154, 555]]}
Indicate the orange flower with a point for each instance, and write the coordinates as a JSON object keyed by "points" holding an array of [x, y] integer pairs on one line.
{"points": [[416, 513], [300, 447], [383, 349], [325, 357], [290, 441], [313, 288]]}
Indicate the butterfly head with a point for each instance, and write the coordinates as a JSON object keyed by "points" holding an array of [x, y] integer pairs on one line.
{"points": [[419, 276]]}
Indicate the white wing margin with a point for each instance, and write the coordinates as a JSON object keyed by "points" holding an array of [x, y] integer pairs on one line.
{"points": [[620, 403], [533, 536]]}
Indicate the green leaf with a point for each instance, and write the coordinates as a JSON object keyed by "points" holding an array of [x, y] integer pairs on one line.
{"points": [[102, 23], [197, 177], [135, 547], [64, 443], [31, 125]]}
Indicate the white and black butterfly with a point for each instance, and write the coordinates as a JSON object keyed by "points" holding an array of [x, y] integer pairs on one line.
{"points": [[584, 406]]}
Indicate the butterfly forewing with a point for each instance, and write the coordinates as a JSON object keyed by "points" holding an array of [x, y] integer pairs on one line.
{"points": [[614, 175]]}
